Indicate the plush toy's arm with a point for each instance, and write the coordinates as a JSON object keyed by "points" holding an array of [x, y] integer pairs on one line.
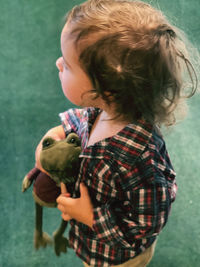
{"points": [[28, 179]]}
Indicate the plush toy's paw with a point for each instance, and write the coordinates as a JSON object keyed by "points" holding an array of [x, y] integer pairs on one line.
{"points": [[60, 243], [41, 240], [26, 183]]}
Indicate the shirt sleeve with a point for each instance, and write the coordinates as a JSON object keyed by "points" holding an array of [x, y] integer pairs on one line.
{"points": [[142, 214], [71, 120]]}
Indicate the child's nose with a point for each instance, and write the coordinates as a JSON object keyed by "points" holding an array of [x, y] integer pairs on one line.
{"points": [[59, 64]]}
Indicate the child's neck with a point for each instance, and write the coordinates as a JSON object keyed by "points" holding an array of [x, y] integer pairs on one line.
{"points": [[105, 126]]}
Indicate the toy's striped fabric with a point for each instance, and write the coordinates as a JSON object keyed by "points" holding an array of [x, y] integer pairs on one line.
{"points": [[131, 183]]}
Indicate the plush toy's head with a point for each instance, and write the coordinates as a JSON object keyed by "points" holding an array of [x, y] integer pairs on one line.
{"points": [[61, 158]]}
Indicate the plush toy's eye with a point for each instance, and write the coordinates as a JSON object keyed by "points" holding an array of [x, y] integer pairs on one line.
{"points": [[72, 140], [47, 142]]}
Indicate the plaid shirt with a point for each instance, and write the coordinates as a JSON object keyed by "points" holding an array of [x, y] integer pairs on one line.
{"points": [[131, 183]]}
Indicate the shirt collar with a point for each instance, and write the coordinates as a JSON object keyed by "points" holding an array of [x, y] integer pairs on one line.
{"points": [[129, 142]]}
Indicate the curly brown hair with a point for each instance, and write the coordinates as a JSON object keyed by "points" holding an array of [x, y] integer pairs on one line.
{"points": [[134, 58]]}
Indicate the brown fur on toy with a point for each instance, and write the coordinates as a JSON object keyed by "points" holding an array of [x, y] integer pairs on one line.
{"points": [[61, 160]]}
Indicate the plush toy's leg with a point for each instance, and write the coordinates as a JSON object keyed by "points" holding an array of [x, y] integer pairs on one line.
{"points": [[60, 242], [41, 239]]}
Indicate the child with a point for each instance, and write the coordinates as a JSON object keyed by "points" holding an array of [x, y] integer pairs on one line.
{"points": [[123, 63]]}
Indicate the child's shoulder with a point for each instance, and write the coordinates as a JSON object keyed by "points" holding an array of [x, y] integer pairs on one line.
{"points": [[139, 154], [140, 143], [132, 141]]}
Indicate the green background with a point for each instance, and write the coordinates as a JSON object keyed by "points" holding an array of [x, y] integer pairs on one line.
{"points": [[30, 100]]}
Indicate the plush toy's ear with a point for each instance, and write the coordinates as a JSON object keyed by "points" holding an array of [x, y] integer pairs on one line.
{"points": [[28, 179]]}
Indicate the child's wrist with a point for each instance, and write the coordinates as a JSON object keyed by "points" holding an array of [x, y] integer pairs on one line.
{"points": [[56, 132]]}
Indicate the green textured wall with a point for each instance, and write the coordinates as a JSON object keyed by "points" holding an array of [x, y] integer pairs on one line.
{"points": [[31, 98]]}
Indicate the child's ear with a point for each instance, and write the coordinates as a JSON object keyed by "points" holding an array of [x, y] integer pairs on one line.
{"points": [[93, 94], [109, 97]]}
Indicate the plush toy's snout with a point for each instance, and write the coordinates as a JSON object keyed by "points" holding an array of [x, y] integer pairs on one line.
{"points": [[60, 158]]}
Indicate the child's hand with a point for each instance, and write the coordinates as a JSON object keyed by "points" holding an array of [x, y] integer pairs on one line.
{"points": [[57, 133], [80, 209]]}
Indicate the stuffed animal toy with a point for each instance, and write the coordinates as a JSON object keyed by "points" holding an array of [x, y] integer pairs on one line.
{"points": [[61, 160]]}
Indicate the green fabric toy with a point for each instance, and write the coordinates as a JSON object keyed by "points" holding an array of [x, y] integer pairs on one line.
{"points": [[61, 160]]}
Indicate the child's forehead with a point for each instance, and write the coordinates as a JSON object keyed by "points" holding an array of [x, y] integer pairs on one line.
{"points": [[70, 35], [68, 49], [65, 32], [66, 38]]}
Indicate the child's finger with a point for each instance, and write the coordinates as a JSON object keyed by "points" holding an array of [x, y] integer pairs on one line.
{"points": [[63, 188], [66, 195]]}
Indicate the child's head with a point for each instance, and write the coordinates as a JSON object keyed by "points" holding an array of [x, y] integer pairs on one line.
{"points": [[133, 57]]}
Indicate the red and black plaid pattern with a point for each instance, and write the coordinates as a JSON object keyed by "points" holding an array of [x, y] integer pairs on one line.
{"points": [[131, 183]]}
